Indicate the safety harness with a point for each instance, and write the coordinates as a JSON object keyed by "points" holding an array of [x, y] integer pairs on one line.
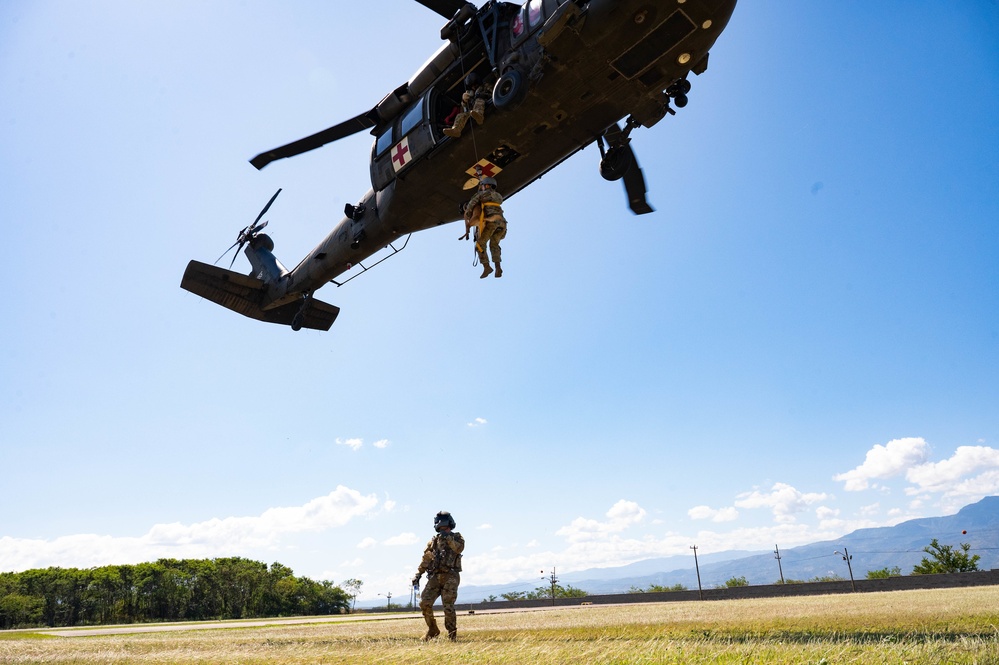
{"points": [[482, 222]]}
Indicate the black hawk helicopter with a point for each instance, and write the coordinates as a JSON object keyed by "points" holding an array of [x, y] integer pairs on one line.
{"points": [[563, 73]]}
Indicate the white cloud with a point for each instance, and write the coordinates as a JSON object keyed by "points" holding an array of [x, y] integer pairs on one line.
{"points": [[353, 444], [783, 500], [389, 505], [408, 538], [715, 515], [826, 513], [484, 526], [230, 536], [872, 509], [478, 422], [366, 543], [891, 459], [621, 515], [381, 443], [970, 473]]}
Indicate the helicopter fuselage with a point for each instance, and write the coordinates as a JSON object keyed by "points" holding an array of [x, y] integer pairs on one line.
{"points": [[563, 73]]}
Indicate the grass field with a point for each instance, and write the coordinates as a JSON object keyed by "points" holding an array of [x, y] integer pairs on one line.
{"points": [[929, 626]]}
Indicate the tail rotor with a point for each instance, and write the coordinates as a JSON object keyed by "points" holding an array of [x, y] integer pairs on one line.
{"points": [[249, 232]]}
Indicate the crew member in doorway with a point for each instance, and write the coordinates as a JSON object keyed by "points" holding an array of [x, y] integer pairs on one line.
{"points": [[473, 104]]}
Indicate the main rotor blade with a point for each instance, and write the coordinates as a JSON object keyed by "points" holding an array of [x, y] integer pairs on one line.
{"points": [[266, 208], [634, 185], [446, 8], [317, 140]]}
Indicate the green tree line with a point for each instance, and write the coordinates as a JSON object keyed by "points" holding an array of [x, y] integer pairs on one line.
{"points": [[167, 590], [543, 592]]}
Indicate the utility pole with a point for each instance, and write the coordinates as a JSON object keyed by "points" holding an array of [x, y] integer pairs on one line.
{"points": [[779, 568], [846, 557], [388, 596], [554, 582], [700, 593]]}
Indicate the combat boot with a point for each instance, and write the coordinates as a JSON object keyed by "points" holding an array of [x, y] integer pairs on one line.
{"points": [[453, 635], [459, 124], [486, 270], [478, 111], [499, 270], [431, 634]]}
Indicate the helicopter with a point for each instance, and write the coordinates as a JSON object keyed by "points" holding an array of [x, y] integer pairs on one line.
{"points": [[564, 74]]}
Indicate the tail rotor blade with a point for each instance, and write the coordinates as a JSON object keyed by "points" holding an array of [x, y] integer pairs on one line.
{"points": [[266, 208], [248, 233], [227, 251], [234, 255]]}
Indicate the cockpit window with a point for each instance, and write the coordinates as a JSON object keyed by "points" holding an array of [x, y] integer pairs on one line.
{"points": [[412, 118], [383, 142], [534, 12]]}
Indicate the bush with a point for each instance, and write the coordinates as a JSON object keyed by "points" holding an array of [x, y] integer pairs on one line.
{"points": [[884, 573], [946, 560]]}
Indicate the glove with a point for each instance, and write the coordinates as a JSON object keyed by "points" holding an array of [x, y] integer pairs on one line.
{"points": [[416, 581]]}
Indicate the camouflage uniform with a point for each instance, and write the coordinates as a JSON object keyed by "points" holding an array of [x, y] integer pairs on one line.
{"points": [[492, 230], [442, 564], [473, 105]]}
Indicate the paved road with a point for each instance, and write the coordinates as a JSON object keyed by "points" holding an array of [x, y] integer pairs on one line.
{"points": [[249, 623], [215, 625]]}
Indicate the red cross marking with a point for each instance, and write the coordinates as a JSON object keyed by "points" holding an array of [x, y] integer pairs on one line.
{"points": [[400, 154], [487, 170]]}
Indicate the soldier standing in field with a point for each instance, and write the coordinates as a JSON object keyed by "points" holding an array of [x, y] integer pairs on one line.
{"points": [[442, 564]]}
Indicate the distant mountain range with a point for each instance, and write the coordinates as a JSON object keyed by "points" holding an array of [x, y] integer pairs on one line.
{"points": [[870, 549]]}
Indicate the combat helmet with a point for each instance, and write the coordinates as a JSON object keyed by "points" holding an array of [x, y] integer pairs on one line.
{"points": [[443, 519], [488, 181], [471, 80]]}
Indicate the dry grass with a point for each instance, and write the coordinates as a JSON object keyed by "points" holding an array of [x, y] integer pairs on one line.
{"points": [[933, 626]]}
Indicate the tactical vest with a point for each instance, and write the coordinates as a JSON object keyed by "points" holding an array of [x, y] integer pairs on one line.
{"points": [[445, 559]]}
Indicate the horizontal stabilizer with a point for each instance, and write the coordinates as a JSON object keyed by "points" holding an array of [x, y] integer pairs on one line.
{"points": [[244, 294]]}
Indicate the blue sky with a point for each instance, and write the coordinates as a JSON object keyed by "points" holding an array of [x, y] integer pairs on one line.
{"points": [[803, 340]]}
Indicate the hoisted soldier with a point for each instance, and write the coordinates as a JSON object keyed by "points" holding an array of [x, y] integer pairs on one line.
{"points": [[485, 211], [442, 564], [473, 104]]}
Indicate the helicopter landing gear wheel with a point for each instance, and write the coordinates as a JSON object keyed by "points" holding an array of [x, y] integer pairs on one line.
{"points": [[616, 163], [678, 91], [509, 90]]}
